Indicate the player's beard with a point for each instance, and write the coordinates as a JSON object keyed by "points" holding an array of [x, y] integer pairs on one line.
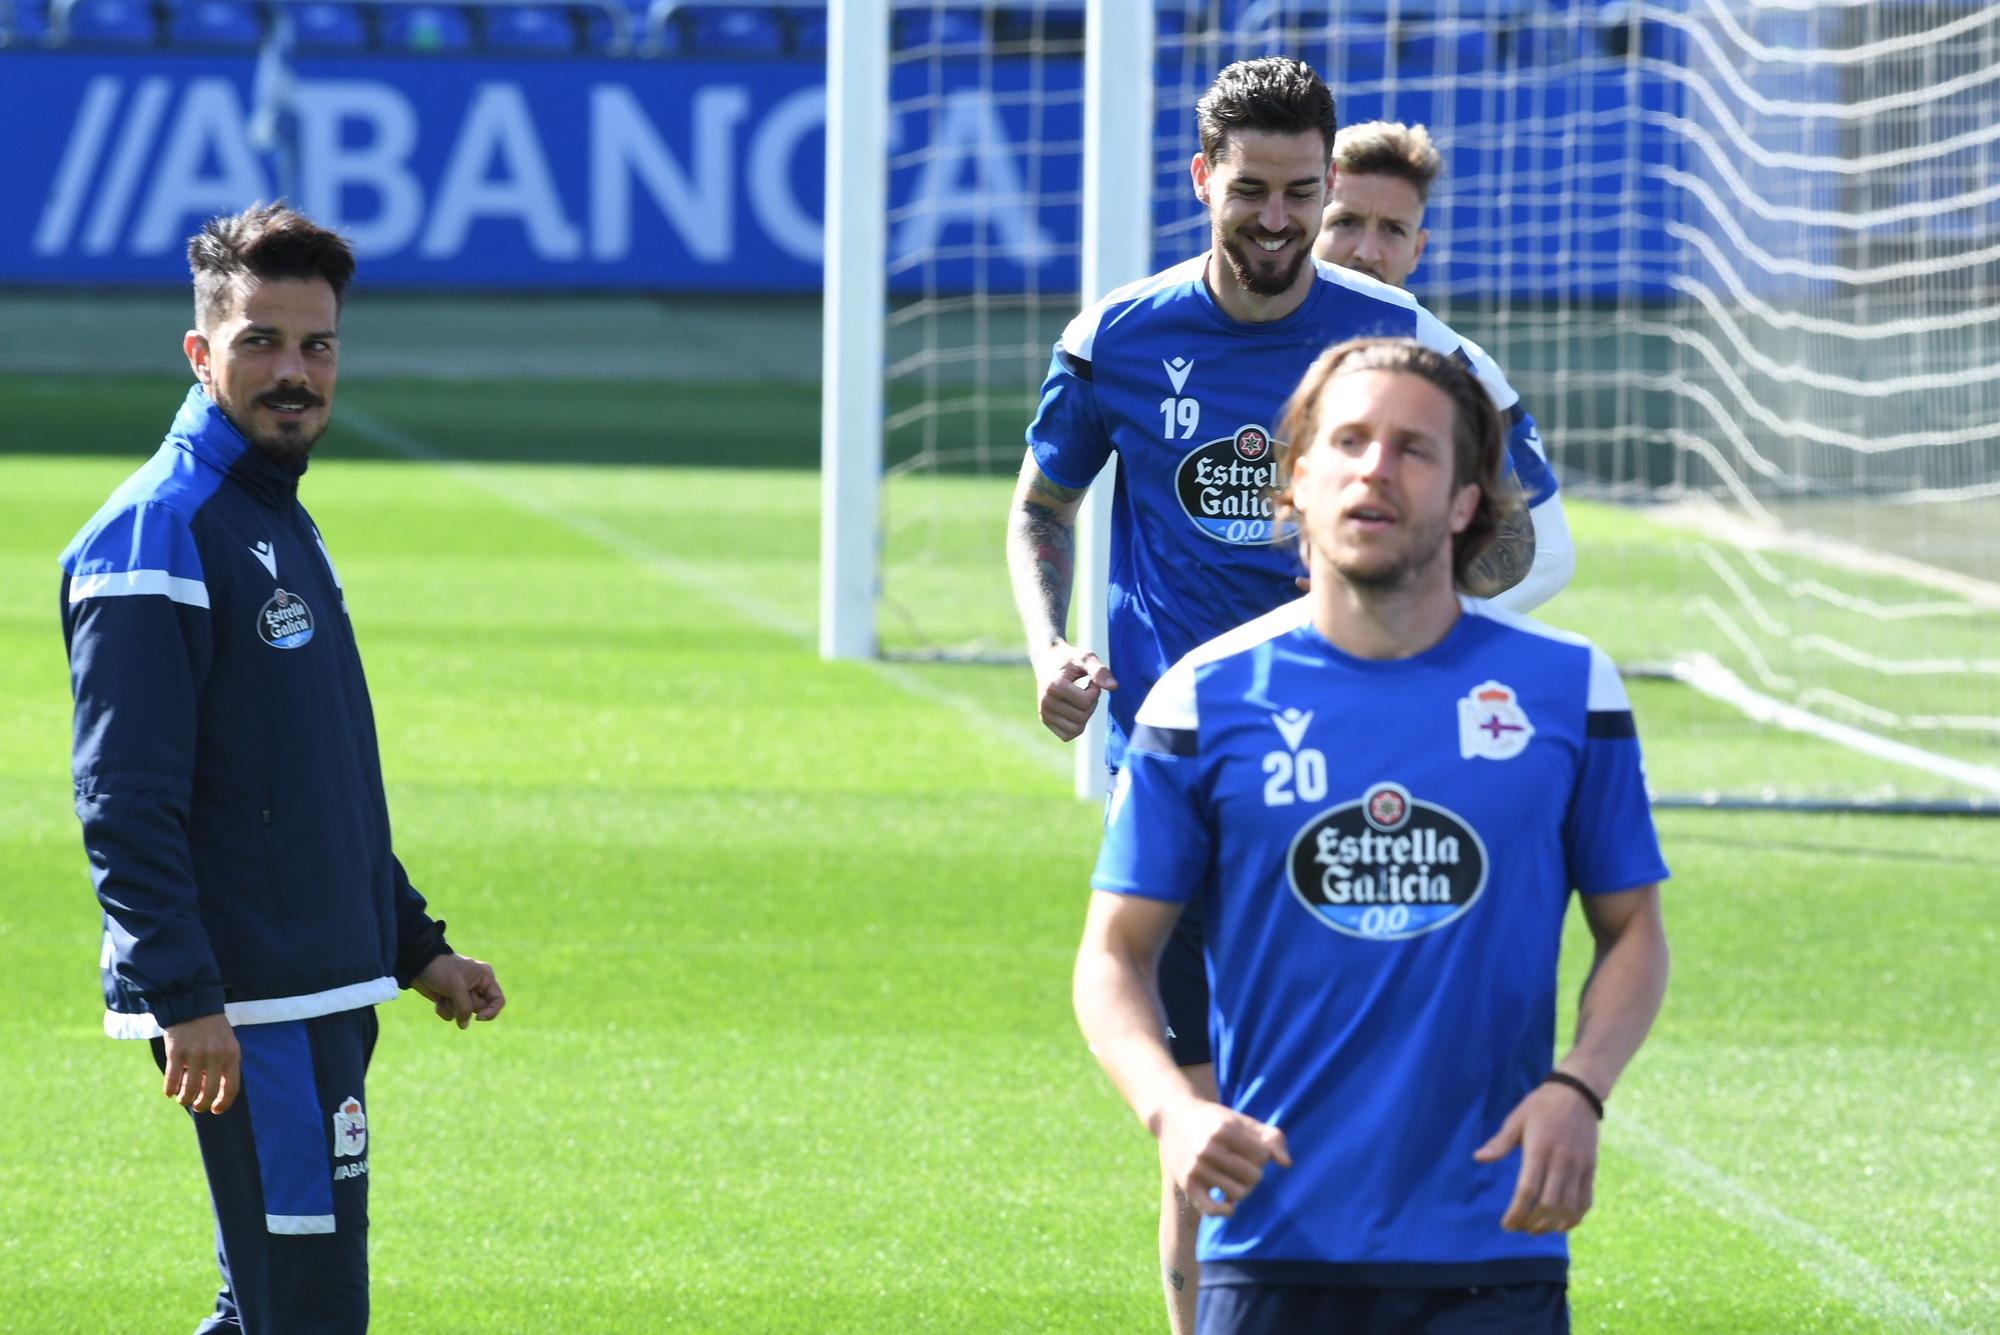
{"points": [[1262, 282], [1430, 542], [286, 439]]}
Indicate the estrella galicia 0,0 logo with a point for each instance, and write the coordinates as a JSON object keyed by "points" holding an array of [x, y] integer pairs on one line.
{"points": [[1387, 865], [285, 622], [1225, 486]]}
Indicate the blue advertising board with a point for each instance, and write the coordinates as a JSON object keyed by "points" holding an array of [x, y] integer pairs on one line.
{"points": [[453, 172], [458, 173]]}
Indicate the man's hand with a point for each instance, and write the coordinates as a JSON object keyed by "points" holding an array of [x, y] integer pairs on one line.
{"points": [[1071, 679], [204, 1064], [1215, 1155], [1557, 1133], [460, 988]]}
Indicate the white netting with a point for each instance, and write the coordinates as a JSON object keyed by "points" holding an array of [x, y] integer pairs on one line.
{"points": [[1739, 260]]}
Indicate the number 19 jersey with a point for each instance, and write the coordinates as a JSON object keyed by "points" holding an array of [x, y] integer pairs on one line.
{"points": [[1189, 399]]}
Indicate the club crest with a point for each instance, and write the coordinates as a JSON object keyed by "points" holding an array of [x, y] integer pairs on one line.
{"points": [[1492, 724], [350, 1129]]}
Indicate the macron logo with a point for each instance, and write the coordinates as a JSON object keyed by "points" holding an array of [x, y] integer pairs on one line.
{"points": [[266, 556], [1292, 726], [1178, 370]]}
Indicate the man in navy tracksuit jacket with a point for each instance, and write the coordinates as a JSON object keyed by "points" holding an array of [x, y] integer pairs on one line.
{"points": [[231, 793]]}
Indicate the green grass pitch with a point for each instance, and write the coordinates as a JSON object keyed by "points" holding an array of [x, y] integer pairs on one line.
{"points": [[787, 944]]}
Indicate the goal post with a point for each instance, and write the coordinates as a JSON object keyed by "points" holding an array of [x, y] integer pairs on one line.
{"points": [[852, 324], [1117, 249], [1738, 257]]}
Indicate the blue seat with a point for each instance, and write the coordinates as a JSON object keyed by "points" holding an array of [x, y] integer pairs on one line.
{"points": [[1431, 53], [23, 23], [529, 30], [232, 24], [324, 26], [425, 28], [1360, 62], [809, 32], [112, 23], [600, 34], [732, 30], [1041, 27], [947, 28]]}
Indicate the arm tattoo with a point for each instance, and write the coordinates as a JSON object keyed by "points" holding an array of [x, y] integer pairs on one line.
{"points": [[1176, 1278], [1506, 560], [1053, 543], [1043, 547]]}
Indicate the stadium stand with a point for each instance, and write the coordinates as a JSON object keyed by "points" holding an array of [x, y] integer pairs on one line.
{"points": [[528, 30], [223, 24], [103, 23], [1399, 42], [329, 27], [441, 28], [23, 22]]}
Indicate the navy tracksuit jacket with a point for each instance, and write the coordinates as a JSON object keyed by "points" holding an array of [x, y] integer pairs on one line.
{"points": [[224, 752]]}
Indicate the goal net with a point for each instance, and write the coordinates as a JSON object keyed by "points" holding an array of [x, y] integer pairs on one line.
{"points": [[1739, 259]]}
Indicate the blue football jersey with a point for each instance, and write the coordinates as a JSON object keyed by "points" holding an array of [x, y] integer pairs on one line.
{"points": [[1384, 851], [1189, 399]]}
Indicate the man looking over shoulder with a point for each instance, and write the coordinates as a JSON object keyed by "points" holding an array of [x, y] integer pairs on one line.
{"points": [[230, 790], [1374, 224], [1383, 794], [1183, 375]]}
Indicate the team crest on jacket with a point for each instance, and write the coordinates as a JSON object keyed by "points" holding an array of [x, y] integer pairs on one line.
{"points": [[1225, 486], [350, 1129], [1387, 865], [1492, 724], [285, 622]]}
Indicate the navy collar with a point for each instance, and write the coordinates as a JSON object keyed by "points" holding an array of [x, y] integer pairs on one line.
{"points": [[201, 428]]}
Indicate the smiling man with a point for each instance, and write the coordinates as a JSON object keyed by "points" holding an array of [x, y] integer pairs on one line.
{"points": [[230, 790], [1382, 795], [1183, 375]]}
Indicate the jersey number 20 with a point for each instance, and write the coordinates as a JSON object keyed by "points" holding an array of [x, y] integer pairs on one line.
{"points": [[1294, 778]]}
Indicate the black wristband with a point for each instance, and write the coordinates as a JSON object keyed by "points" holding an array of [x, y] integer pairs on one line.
{"points": [[1589, 1094]]}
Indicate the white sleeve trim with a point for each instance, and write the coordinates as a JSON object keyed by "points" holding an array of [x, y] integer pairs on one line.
{"points": [[1607, 689], [1079, 336], [1438, 336], [138, 583], [1172, 702], [270, 1010]]}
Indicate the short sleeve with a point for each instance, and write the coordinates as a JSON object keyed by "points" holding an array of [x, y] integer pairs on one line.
{"points": [[1067, 436], [1158, 840], [1609, 842]]}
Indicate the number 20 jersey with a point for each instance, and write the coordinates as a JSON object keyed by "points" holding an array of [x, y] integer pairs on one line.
{"points": [[1384, 852], [1189, 399]]}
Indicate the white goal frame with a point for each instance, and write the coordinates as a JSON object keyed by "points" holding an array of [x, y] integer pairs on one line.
{"points": [[1117, 236]]}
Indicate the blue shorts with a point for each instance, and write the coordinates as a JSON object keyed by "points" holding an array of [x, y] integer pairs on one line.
{"points": [[1308, 1309]]}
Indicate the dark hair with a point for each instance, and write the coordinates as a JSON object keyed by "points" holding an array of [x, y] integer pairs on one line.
{"points": [[264, 241], [1389, 148], [1275, 94], [1478, 447]]}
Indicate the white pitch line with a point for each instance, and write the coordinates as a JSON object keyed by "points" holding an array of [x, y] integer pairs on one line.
{"points": [[699, 581], [1838, 1269]]}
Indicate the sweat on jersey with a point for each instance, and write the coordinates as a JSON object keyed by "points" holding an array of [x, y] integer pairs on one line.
{"points": [[224, 750], [1384, 851], [1189, 400]]}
